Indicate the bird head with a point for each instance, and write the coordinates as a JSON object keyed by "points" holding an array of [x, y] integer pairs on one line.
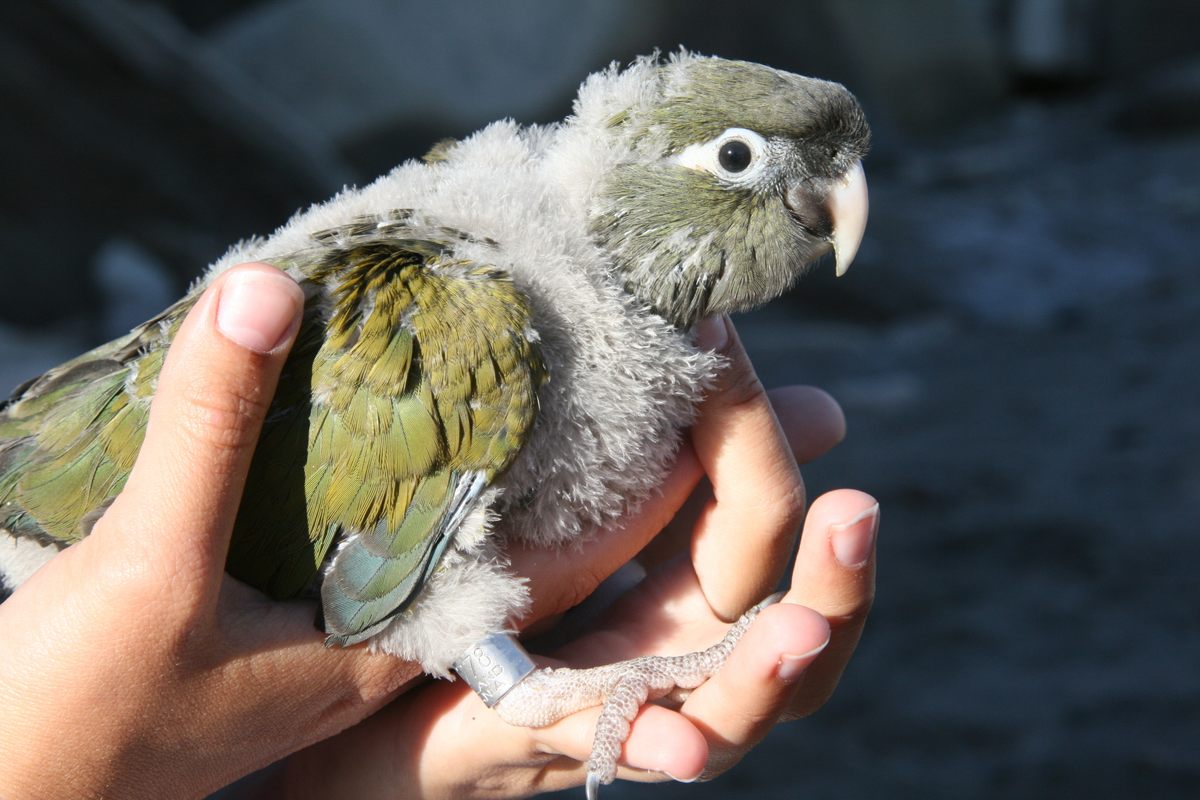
{"points": [[731, 179]]}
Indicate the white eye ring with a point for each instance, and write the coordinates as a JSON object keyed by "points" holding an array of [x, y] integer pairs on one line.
{"points": [[706, 156]]}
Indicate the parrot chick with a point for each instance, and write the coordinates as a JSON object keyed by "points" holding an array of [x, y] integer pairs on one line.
{"points": [[495, 347]]}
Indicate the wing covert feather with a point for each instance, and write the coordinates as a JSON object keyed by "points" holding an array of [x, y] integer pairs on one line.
{"points": [[420, 391], [412, 384]]}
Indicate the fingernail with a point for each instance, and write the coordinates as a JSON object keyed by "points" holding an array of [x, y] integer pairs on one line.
{"points": [[854, 539], [792, 666], [258, 309], [712, 333], [678, 780]]}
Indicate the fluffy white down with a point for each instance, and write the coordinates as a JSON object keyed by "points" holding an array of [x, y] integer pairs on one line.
{"points": [[20, 558], [623, 382]]}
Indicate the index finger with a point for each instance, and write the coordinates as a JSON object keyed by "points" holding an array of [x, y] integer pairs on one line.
{"points": [[745, 533]]}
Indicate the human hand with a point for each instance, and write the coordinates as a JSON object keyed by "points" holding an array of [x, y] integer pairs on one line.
{"points": [[132, 665], [441, 742]]}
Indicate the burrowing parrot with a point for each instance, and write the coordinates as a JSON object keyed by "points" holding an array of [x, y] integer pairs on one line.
{"points": [[496, 346]]}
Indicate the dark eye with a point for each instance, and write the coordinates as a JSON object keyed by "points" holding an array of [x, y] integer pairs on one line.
{"points": [[735, 156]]}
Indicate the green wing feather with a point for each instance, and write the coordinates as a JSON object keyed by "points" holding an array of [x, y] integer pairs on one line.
{"points": [[68, 438], [412, 385]]}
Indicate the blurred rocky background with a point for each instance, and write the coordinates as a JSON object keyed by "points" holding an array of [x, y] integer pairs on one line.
{"points": [[1014, 348]]}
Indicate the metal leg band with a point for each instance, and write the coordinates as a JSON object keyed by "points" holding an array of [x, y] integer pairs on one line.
{"points": [[494, 665]]}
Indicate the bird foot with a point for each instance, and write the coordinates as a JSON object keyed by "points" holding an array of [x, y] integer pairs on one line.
{"points": [[547, 695]]}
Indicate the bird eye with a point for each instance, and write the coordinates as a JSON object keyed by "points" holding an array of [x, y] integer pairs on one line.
{"points": [[735, 156]]}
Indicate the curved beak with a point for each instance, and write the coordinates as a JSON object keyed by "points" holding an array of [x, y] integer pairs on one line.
{"points": [[848, 205]]}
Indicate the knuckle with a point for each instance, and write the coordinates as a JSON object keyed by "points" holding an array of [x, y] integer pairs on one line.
{"points": [[850, 612], [742, 385], [783, 502], [225, 420], [858, 607], [578, 589], [378, 680], [849, 603], [791, 500]]}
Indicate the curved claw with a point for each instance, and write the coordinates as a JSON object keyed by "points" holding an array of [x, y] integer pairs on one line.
{"points": [[769, 600], [592, 786]]}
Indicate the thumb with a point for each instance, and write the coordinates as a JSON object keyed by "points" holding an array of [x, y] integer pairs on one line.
{"points": [[212, 395]]}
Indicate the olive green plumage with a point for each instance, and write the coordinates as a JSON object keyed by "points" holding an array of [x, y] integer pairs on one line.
{"points": [[68, 438], [711, 95], [695, 243], [412, 384], [405, 416]]}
